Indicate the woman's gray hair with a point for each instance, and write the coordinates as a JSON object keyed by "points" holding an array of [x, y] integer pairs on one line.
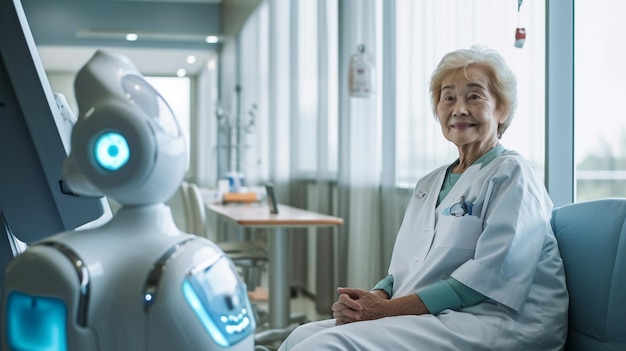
{"points": [[502, 81]]}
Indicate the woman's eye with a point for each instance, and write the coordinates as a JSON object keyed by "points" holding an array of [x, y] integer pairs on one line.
{"points": [[474, 98]]}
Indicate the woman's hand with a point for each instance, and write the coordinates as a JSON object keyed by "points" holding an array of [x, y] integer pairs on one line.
{"points": [[358, 305], [361, 305]]}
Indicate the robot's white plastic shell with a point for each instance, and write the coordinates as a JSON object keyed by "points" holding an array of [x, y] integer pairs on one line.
{"points": [[130, 294], [119, 256], [158, 159]]}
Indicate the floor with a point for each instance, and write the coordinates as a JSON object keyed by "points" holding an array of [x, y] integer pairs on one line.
{"points": [[302, 303], [306, 305]]}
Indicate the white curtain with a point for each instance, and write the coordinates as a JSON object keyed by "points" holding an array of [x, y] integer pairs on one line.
{"points": [[358, 158], [321, 147], [423, 39], [360, 150]]}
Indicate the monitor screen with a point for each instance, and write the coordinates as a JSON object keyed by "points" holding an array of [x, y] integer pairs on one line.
{"points": [[34, 142]]}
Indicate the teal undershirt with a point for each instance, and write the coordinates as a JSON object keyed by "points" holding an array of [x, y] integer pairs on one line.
{"points": [[451, 178], [448, 293]]}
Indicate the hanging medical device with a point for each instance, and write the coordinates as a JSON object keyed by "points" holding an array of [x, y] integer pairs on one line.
{"points": [[362, 75], [520, 32]]}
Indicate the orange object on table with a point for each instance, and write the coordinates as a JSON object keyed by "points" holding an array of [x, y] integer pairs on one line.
{"points": [[239, 197]]}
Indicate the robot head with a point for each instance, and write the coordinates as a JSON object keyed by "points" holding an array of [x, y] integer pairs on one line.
{"points": [[126, 144]]}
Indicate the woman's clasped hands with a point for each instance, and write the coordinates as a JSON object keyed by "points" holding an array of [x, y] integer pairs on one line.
{"points": [[355, 305]]}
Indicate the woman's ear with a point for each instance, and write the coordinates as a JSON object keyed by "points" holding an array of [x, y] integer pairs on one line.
{"points": [[504, 114]]}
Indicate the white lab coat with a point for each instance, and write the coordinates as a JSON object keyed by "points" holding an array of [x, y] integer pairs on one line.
{"points": [[505, 250]]}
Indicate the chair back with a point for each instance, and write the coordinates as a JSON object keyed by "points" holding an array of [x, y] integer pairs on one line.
{"points": [[592, 241], [197, 214], [178, 205]]}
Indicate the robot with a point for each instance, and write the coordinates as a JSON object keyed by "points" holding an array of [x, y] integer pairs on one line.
{"points": [[136, 282]]}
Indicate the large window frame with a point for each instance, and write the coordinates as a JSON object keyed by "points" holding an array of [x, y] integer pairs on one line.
{"points": [[559, 169], [599, 127]]}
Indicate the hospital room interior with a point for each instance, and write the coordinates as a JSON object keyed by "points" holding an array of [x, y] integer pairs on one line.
{"points": [[301, 131]]}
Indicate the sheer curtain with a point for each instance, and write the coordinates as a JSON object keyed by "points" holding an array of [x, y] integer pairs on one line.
{"points": [[358, 157], [359, 174], [425, 31], [321, 147]]}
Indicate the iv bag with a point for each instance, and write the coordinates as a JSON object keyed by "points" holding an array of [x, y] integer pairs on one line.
{"points": [[361, 79]]}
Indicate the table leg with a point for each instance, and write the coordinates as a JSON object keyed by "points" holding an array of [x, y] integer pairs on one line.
{"points": [[278, 279]]}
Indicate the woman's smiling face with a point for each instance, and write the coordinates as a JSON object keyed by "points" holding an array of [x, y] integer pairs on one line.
{"points": [[467, 110]]}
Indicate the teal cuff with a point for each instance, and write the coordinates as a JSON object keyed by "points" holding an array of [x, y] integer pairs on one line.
{"points": [[449, 294], [386, 285]]}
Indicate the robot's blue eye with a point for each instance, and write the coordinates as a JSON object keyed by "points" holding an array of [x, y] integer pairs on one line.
{"points": [[112, 151]]}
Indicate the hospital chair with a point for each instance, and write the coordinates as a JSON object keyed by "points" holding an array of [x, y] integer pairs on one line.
{"points": [[250, 259], [178, 205], [248, 256], [592, 241]]}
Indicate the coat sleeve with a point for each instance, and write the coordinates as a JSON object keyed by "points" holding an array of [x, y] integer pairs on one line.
{"points": [[386, 285]]}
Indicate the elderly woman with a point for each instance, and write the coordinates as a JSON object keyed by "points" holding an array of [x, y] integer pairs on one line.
{"points": [[475, 265]]}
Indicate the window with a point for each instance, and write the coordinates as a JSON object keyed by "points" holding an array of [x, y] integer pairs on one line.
{"points": [[249, 112], [317, 90], [177, 92], [307, 63], [600, 126], [305, 42], [425, 31]]}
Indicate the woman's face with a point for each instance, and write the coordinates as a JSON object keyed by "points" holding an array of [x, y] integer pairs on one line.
{"points": [[467, 110]]}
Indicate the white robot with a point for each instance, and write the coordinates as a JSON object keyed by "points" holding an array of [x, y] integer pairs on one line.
{"points": [[136, 282]]}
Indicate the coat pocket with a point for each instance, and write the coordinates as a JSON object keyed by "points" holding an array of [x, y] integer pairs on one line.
{"points": [[458, 232]]}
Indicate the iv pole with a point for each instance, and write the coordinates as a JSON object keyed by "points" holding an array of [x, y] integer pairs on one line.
{"points": [[234, 127]]}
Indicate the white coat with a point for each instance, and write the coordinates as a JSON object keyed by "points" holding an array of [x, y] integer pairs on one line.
{"points": [[505, 250]]}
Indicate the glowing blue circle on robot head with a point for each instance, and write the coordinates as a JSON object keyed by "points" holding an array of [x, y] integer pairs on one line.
{"points": [[112, 151]]}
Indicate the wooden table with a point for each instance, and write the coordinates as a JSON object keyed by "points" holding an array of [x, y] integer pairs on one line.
{"points": [[258, 216]]}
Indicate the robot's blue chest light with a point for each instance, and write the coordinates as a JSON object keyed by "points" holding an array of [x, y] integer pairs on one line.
{"points": [[111, 151], [220, 302]]}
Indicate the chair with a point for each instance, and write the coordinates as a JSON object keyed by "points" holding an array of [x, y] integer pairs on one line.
{"points": [[196, 214], [178, 205], [249, 257], [592, 240]]}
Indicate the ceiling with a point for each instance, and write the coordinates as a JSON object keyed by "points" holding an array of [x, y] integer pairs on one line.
{"points": [[161, 62], [68, 32]]}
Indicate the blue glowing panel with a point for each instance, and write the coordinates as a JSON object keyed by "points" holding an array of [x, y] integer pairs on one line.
{"points": [[220, 302], [112, 151], [36, 323]]}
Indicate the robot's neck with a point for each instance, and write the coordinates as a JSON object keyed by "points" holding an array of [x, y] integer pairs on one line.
{"points": [[154, 217]]}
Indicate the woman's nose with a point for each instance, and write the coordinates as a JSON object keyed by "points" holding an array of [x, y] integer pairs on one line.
{"points": [[459, 109]]}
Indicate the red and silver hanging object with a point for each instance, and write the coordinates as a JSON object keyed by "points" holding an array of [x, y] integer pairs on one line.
{"points": [[520, 37], [520, 32]]}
